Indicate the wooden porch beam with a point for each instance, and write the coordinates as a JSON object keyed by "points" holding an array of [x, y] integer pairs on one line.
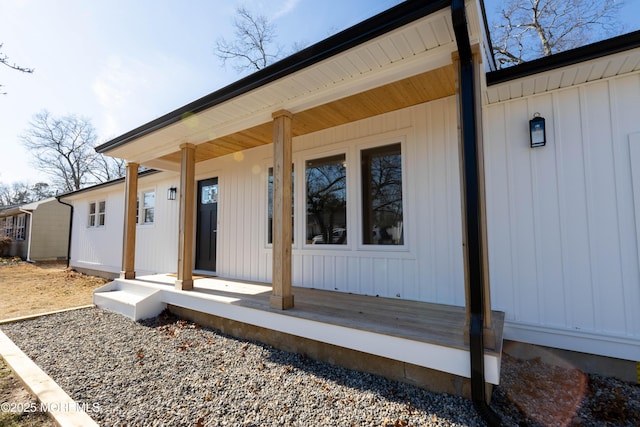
{"points": [[184, 280], [281, 292], [129, 234]]}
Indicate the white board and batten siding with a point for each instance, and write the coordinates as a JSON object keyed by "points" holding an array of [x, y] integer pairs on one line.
{"points": [[428, 268], [563, 219], [100, 248]]}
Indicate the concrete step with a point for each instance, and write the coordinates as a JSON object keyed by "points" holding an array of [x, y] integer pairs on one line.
{"points": [[129, 299]]}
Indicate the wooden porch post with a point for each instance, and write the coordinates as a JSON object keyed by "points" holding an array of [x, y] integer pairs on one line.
{"points": [[489, 335], [281, 294], [184, 280], [129, 234]]}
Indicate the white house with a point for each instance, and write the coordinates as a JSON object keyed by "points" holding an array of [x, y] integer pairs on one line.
{"points": [[564, 219], [378, 192]]}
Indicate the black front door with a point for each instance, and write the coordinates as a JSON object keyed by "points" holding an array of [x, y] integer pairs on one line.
{"points": [[207, 224]]}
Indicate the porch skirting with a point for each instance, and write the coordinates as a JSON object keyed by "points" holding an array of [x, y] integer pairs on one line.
{"points": [[423, 344], [429, 379]]}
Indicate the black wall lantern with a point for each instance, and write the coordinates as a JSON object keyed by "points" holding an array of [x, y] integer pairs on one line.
{"points": [[171, 193], [537, 132]]}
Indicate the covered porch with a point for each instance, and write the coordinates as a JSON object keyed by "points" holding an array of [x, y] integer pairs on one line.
{"points": [[416, 342], [403, 58]]}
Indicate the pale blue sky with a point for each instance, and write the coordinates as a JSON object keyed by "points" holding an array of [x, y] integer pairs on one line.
{"points": [[122, 63]]}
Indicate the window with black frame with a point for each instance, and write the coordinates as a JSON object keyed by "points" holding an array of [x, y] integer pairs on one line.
{"points": [[326, 181], [382, 216]]}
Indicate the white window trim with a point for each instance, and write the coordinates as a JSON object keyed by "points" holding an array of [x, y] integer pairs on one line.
{"points": [[97, 224], [407, 224], [302, 209], [7, 227], [20, 224], [141, 208], [406, 137]]}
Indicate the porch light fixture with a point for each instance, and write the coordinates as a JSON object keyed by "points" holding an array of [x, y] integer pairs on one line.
{"points": [[537, 132], [171, 193]]}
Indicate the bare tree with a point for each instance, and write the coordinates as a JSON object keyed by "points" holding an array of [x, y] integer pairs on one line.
{"points": [[108, 168], [251, 49], [63, 148], [21, 192], [40, 191], [4, 59], [529, 29], [15, 194]]}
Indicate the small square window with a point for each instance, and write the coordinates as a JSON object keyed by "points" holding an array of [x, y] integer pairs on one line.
{"points": [[97, 213]]}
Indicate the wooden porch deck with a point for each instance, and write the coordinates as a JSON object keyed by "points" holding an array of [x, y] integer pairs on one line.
{"points": [[422, 334]]}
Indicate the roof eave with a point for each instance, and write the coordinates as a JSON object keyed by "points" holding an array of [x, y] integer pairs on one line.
{"points": [[570, 57], [105, 184], [375, 26]]}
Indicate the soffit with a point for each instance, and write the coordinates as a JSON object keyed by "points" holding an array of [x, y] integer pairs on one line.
{"points": [[415, 90], [404, 67]]}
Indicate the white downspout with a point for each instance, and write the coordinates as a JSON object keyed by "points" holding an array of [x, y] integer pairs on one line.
{"points": [[29, 241]]}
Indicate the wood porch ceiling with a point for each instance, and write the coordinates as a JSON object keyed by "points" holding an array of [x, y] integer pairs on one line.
{"points": [[425, 87]]}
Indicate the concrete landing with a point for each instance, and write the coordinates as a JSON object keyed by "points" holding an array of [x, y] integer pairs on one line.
{"points": [[130, 298]]}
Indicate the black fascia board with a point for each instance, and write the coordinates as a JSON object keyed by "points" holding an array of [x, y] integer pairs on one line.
{"points": [[492, 56], [402, 14], [563, 59]]}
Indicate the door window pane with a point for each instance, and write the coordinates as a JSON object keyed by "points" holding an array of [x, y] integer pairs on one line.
{"points": [[382, 196], [326, 180], [209, 194]]}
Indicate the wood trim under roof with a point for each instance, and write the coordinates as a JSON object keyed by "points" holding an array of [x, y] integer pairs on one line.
{"points": [[425, 87], [406, 66], [381, 24]]}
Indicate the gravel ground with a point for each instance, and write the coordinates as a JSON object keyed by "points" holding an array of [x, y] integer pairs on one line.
{"points": [[166, 371]]}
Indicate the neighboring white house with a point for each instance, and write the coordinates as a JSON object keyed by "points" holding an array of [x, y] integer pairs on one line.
{"points": [[376, 180]]}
